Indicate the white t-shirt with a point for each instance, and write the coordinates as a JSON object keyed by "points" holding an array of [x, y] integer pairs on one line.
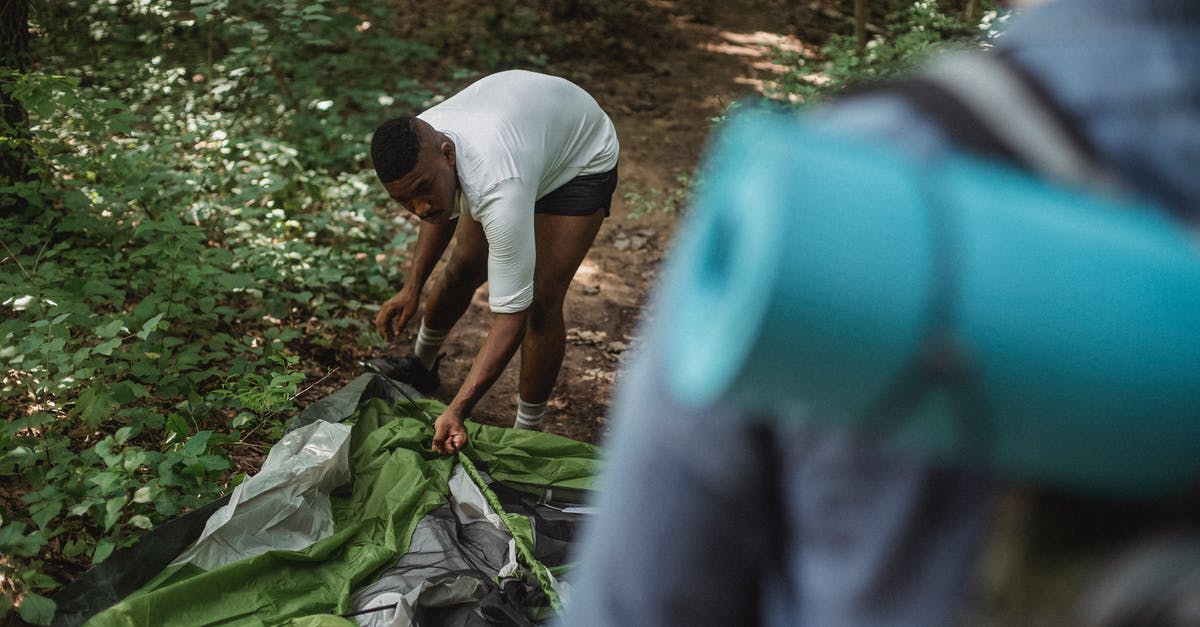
{"points": [[518, 136]]}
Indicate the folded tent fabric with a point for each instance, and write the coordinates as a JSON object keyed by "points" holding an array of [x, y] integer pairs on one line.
{"points": [[396, 483], [285, 505]]}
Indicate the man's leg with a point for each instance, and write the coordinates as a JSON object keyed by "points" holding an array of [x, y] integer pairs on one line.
{"points": [[562, 242], [449, 296]]}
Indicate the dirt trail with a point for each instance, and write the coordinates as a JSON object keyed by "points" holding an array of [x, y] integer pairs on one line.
{"points": [[681, 66]]}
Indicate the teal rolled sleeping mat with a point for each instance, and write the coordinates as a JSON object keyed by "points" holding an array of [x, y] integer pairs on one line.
{"points": [[960, 308]]}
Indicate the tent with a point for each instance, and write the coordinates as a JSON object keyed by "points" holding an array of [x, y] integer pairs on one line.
{"points": [[353, 520]]}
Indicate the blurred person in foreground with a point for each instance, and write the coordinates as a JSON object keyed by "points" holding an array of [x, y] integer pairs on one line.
{"points": [[707, 517], [519, 170]]}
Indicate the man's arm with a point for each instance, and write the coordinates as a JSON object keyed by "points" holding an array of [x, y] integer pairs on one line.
{"points": [[507, 222], [501, 344], [394, 315]]}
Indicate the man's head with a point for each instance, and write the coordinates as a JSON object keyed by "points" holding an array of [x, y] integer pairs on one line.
{"points": [[416, 163]]}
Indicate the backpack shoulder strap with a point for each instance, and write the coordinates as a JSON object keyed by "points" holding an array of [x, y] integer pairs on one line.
{"points": [[1011, 103], [988, 104]]}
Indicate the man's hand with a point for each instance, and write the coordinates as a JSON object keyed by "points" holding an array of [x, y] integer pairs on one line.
{"points": [[449, 434], [394, 315]]}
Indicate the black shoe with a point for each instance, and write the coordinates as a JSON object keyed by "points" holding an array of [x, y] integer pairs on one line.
{"points": [[408, 369]]}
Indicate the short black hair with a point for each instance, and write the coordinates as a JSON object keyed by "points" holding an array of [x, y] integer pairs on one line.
{"points": [[395, 147]]}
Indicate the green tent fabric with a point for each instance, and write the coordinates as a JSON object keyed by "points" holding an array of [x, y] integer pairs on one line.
{"points": [[395, 481]]}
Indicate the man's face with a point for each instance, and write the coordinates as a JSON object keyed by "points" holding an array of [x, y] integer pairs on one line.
{"points": [[428, 190]]}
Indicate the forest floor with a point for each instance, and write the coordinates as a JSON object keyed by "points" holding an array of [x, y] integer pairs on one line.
{"points": [[663, 77]]}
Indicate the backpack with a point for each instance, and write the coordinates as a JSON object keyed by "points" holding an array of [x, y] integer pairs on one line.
{"points": [[1013, 312]]}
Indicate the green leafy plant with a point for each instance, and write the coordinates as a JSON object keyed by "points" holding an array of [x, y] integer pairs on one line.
{"points": [[913, 31], [262, 400]]}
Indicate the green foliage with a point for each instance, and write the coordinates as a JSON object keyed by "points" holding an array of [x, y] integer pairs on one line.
{"points": [[504, 24], [198, 203], [263, 400], [913, 31]]}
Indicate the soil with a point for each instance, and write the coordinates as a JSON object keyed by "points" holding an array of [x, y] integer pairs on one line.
{"points": [[662, 76]]}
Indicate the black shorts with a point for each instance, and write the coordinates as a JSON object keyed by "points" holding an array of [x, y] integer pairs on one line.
{"points": [[580, 196]]}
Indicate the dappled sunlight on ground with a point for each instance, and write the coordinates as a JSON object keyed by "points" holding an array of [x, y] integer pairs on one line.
{"points": [[591, 279], [759, 51], [756, 44]]}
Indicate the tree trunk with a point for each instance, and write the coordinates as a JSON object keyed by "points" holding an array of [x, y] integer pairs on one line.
{"points": [[14, 58], [860, 26]]}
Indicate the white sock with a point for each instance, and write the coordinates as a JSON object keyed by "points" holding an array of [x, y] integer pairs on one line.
{"points": [[529, 415], [429, 344]]}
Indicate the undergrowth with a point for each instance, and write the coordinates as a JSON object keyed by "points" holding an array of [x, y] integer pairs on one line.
{"points": [[196, 205]]}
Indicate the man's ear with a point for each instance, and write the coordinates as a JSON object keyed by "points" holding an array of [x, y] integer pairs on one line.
{"points": [[448, 152]]}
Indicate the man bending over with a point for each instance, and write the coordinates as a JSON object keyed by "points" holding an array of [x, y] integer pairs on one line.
{"points": [[519, 169]]}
